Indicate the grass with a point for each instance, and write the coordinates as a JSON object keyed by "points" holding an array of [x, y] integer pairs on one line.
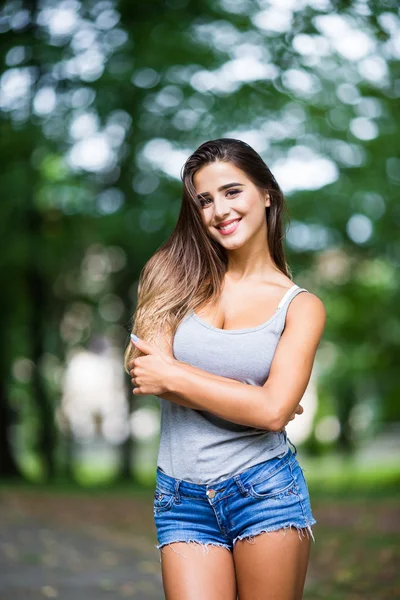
{"points": [[332, 476]]}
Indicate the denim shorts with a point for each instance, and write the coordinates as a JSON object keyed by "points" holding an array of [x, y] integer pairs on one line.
{"points": [[268, 496]]}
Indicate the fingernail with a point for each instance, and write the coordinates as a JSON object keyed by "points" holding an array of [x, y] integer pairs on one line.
{"points": [[134, 338]]}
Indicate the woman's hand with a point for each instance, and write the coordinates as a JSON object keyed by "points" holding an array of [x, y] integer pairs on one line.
{"points": [[150, 373], [299, 410]]}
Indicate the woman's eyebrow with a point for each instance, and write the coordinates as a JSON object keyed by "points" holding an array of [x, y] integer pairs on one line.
{"points": [[220, 189]]}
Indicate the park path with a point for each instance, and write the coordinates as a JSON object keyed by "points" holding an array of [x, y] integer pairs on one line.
{"points": [[77, 548], [86, 546]]}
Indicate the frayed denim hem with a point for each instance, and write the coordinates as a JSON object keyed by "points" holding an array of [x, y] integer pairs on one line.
{"points": [[203, 545], [249, 537]]}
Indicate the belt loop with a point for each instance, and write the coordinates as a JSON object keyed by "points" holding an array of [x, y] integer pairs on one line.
{"points": [[239, 483], [177, 494], [290, 442]]}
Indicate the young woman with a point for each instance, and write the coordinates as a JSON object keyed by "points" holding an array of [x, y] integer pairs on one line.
{"points": [[227, 343]]}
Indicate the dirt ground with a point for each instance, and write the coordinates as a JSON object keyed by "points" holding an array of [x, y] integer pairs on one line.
{"points": [[90, 546]]}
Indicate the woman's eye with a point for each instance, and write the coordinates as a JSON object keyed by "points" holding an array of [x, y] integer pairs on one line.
{"points": [[206, 200]]}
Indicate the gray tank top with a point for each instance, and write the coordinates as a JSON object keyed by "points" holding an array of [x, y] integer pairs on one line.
{"points": [[198, 446]]}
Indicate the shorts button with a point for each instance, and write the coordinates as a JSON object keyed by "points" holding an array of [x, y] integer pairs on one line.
{"points": [[210, 493]]}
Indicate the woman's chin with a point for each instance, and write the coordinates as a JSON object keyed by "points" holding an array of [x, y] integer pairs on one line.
{"points": [[231, 244]]}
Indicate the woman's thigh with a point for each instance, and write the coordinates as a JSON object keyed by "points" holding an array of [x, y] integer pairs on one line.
{"points": [[273, 566], [193, 571], [196, 558], [272, 533]]}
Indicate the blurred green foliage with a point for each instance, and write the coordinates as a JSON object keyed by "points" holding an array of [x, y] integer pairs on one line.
{"points": [[100, 105]]}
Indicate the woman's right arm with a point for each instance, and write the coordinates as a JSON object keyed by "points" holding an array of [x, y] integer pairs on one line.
{"points": [[172, 397], [177, 399]]}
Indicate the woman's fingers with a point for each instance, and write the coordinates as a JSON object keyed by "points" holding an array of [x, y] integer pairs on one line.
{"points": [[299, 410]]}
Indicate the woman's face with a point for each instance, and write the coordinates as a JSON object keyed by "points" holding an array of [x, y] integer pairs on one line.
{"points": [[241, 201]]}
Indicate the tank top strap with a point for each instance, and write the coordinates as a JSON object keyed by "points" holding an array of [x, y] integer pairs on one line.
{"points": [[286, 296], [279, 323], [290, 294]]}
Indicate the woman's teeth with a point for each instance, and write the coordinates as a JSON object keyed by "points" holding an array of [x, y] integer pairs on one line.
{"points": [[227, 229]]}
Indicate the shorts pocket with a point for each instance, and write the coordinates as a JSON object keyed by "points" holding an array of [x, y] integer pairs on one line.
{"points": [[163, 500], [273, 484]]}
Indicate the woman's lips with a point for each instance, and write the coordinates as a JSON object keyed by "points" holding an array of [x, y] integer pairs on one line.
{"points": [[231, 228]]}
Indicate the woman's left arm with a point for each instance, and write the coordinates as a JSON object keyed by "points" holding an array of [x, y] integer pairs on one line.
{"points": [[293, 360]]}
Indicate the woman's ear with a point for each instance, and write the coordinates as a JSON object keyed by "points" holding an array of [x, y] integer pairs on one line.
{"points": [[267, 200]]}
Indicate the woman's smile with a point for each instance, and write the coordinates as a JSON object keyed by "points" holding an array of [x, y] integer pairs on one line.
{"points": [[230, 228]]}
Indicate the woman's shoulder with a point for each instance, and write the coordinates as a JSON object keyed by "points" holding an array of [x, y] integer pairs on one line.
{"points": [[307, 306]]}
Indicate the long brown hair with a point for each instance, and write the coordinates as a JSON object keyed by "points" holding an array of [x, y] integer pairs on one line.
{"points": [[187, 270]]}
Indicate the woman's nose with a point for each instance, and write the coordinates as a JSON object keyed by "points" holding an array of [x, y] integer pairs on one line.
{"points": [[221, 208]]}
